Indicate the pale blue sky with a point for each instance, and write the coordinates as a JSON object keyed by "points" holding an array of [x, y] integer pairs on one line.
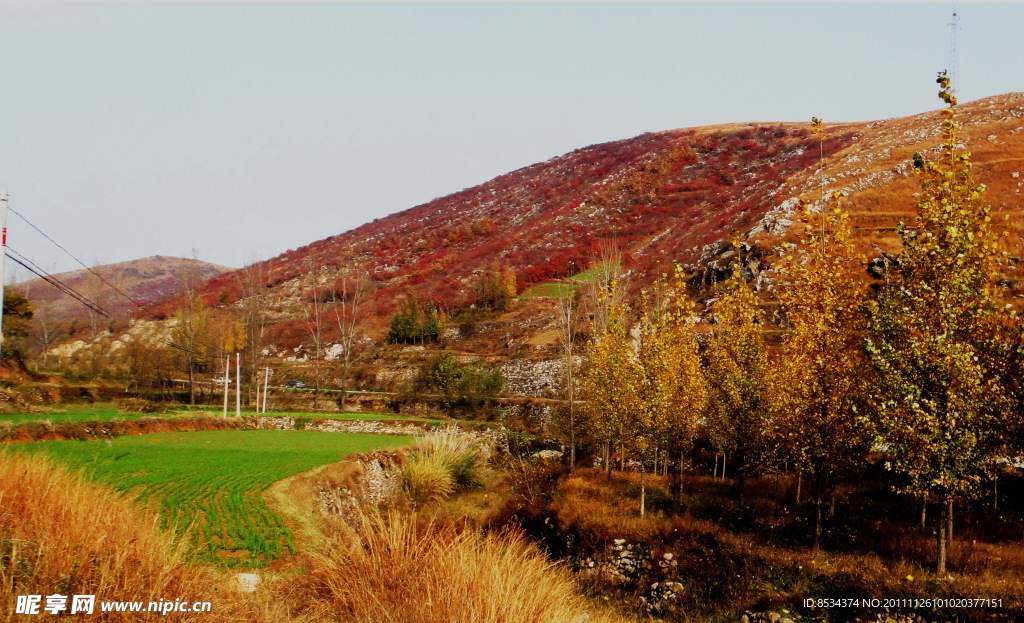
{"points": [[244, 130]]}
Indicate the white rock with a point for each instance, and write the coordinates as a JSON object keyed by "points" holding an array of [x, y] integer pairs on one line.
{"points": [[248, 582]]}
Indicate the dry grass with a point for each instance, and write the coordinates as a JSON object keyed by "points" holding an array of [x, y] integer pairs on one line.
{"points": [[727, 567], [602, 510], [393, 569], [427, 479], [463, 454], [61, 534]]}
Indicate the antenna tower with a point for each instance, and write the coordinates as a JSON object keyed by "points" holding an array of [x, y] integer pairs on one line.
{"points": [[954, 28]]}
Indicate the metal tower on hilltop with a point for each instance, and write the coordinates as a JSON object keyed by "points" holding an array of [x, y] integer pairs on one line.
{"points": [[952, 68]]}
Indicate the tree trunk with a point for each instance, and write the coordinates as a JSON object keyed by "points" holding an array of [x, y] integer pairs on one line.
{"points": [[608, 459], [191, 384], [817, 519], [316, 387], [680, 489], [643, 491], [799, 482], [940, 564], [995, 493], [741, 483], [924, 511], [344, 387], [741, 487], [572, 432], [949, 521]]}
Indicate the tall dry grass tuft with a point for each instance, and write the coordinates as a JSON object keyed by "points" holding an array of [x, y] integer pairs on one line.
{"points": [[59, 534], [427, 480], [442, 461], [392, 569], [462, 453]]}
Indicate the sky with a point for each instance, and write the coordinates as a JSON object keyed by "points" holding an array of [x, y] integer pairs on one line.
{"points": [[234, 132]]}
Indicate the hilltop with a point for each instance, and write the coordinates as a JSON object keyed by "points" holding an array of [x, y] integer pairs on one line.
{"points": [[661, 198], [145, 280]]}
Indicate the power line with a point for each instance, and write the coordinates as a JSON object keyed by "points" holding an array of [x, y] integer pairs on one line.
{"points": [[53, 281], [59, 246], [60, 285]]}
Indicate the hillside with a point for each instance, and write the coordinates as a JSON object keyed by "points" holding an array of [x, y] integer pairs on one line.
{"points": [[662, 198], [144, 280]]}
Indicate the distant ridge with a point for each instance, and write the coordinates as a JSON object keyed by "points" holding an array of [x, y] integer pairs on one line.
{"points": [[145, 280]]}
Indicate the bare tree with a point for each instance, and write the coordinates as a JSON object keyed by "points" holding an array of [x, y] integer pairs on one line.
{"points": [[568, 310], [350, 291], [252, 281], [191, 328], [607, 266], [316, 312], [42, 333]]}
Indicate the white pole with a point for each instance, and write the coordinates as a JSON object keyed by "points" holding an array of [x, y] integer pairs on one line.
{"points": [[3, 253], [266, 385], [257, 378], [238, 388], [227, 379]]}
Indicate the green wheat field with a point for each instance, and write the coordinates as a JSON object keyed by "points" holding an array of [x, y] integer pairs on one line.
{"points": [[208, 485]]}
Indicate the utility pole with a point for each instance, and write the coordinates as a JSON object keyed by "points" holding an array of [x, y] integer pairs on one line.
{"points": [[238, 388], [227, 379], [266, 385], [3, 254]]}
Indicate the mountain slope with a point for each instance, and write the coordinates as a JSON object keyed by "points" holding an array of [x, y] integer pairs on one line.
{"points": [[662, 198]]}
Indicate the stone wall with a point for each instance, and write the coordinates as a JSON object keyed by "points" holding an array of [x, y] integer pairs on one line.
{"points": [[533, 378]]}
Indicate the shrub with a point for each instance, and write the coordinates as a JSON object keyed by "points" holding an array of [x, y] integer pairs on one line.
{"points": [[462, 454], [535, 481], [391, 569], [468, 384], [427, 480], [140, 405]]}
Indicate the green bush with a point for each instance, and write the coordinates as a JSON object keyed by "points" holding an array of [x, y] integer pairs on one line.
{"points": [[460, 384], [140, 405]]}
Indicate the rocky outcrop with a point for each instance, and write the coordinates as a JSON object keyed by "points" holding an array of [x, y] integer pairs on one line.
{"points": [[371, 480], [879, 266], [717, 261]]}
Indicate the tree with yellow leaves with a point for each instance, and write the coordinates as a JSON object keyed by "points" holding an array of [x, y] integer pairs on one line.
{"points": [[737, 377], [610, 384], [817, 397], [930, 329], [672, 393], [497, 287]]}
